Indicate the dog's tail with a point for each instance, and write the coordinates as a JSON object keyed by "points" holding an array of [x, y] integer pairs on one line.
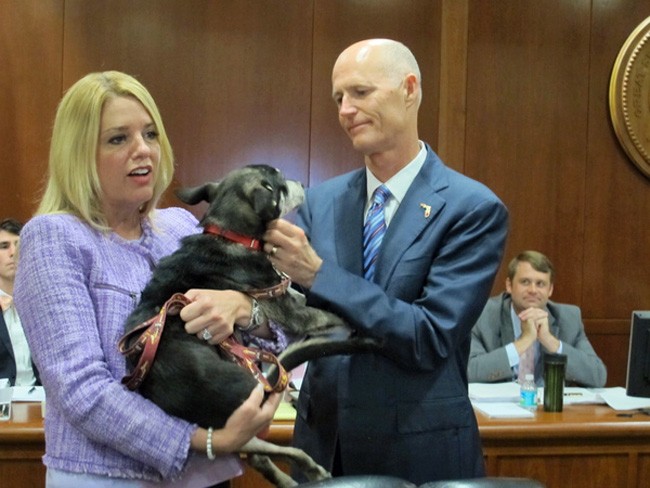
{"points": [[320, 347]]}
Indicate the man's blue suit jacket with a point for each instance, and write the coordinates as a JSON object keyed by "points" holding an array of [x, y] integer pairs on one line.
{"points": [[7, 359], [405, 413]]}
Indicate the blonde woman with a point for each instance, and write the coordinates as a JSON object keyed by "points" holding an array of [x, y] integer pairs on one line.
{"points": [[85, 257]]}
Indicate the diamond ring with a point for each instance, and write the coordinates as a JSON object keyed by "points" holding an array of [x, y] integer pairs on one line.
{"points": [[205, 335], [274, 249]]}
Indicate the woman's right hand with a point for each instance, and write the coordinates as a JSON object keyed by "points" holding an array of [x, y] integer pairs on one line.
{"points": [[251, 418]]}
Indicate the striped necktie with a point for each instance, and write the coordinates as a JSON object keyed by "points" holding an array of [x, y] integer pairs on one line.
{"points": [[373, 231]]}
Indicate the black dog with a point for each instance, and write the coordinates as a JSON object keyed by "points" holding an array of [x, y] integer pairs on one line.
{"points": [[193, 380]]}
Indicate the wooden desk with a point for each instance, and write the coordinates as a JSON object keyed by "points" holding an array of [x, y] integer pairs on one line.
{"points": [[583, 446], [22, 445]]}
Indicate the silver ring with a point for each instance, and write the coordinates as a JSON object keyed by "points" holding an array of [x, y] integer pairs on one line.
{"points": [[274, 250], [205, 335]]}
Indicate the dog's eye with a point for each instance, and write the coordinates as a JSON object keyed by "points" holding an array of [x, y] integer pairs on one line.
{"points": [[268, 186]]}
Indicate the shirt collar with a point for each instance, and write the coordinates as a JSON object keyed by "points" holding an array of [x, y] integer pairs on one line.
{"points": [[399, 183]]}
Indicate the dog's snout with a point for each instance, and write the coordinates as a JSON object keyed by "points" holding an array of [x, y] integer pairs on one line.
{"points": [[294, 197]]}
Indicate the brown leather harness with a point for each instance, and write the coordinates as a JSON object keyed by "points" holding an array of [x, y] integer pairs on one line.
{"points": [[250, 358]]}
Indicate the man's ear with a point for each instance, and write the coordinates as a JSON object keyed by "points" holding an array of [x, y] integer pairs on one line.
{"points": [[508, 285], [550, 290], [412, 87]]}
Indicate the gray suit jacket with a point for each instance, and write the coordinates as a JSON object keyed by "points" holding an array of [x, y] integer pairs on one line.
{"points": [[488, 360]]}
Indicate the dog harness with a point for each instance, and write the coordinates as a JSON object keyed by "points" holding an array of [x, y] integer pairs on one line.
{"points": [[151, 331]]}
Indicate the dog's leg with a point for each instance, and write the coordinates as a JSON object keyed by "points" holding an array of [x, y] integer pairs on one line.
{"points": [[263, 464], [297, 457], [298, 319]]}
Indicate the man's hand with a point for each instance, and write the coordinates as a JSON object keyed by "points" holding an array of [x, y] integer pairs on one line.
{"points": [[290, 252], [537, 320], [528, 336]]}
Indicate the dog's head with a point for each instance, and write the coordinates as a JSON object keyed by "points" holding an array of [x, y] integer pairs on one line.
{"points": [[246, 199]]}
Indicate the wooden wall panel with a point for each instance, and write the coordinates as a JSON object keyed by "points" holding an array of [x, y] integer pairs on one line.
{"points": [[232, 79], [543, 72], [30, 82], [339, 23], [616, 264], [515, 95], [616, 260], [527, 115]]}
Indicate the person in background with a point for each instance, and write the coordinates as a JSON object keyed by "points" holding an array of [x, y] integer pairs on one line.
{"points": [[85, 257], [406, 412], [15, 357], [523, 320]]}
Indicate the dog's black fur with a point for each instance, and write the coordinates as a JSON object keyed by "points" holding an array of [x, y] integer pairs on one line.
{"points": [[189, 378]]}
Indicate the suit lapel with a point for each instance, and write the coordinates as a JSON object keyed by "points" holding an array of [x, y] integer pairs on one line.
{"points": [[418, 210], [348, 228]]}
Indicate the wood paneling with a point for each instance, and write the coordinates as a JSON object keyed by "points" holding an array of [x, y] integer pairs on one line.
{"points": [[30, 87], [515, 95], [339, 23], [22, 446], [582, 446], [453, 83], [527, 116], [232, 79], [616, 263]]}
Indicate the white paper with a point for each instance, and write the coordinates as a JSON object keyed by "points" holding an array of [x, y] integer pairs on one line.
{"points": [[4, 382], [494, 392], [503, 410], [575, 395], [28, 394], [618, 400]]}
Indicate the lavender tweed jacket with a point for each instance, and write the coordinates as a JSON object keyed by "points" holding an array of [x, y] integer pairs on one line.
{"points": [[74, 289]]}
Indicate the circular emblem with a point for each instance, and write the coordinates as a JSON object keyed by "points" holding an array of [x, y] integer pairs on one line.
{"points": [[629, 96]]}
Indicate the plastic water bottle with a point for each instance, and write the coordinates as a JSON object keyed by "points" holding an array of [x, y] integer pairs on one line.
{"points": [[528, 393]]}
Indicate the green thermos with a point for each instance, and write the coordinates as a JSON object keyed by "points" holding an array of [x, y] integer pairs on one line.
{"points": [[554, 369]]}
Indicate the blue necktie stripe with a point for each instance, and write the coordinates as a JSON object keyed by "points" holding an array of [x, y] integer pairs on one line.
{"points": [[373, 231]]}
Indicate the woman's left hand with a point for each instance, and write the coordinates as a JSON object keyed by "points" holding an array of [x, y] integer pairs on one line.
{"points": [[212, 314]]}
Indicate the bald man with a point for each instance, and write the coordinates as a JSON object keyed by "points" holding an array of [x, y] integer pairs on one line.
{"points": [[405, 412]]}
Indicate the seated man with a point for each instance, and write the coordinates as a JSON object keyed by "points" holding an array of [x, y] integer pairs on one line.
{"points": [[15, 358], [523, 321]]}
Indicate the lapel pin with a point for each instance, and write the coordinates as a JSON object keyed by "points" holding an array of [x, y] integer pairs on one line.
{"points": [[427, 210]]}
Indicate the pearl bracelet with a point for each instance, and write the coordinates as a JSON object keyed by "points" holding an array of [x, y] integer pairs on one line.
{"points": [[208, 445]]}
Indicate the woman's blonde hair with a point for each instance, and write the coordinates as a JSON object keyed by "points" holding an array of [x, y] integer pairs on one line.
{"points": [[73, 184]]}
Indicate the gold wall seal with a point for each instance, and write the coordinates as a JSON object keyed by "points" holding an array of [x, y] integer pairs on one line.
{"points": [[629, 96]]}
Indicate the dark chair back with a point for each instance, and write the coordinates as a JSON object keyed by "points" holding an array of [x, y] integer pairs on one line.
{"points": [[362, 481], [486, 483]]}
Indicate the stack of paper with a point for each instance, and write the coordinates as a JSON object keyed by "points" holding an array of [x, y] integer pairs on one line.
{"points": [[28, 394], [503, 410], [494, 392], [574, 395], [618, 399]]}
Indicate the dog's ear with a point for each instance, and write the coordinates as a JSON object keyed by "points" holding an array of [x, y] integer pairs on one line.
{"points": [[265, 203], [196, 194]]}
